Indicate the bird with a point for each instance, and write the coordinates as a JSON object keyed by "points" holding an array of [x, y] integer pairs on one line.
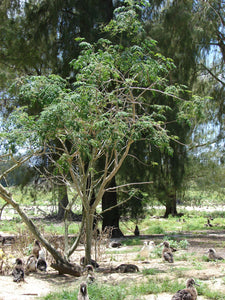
{"points": [[208, 223], [31, 265], [212, 255], [167, 254], [18, 271], [93, 262], [83, 293], [151, 246], [41, 264], [42, 254], [144, 252], [189, 293], [90, 274], [36, 248], [127, 268], [115, 244], [136, 231]]}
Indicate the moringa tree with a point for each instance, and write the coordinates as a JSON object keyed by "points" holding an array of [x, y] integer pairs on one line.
{"points": [[86, 129]]}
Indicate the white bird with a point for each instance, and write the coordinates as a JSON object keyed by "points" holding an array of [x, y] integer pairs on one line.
{"points": [[144, 252], [151, 246]]}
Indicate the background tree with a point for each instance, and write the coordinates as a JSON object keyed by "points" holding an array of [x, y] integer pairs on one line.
{"points": [[180, 29], [46, 32]]}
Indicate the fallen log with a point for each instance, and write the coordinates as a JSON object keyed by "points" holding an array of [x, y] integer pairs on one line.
{"points": [[67, 268]]}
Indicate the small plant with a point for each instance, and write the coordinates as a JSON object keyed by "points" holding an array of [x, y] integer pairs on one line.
{"points": [[205, 258], [132, 242], [151, 271], [140, 258], [156, 229], [184, 244], [183, 257]]}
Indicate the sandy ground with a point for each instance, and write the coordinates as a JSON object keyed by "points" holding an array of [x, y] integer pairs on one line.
{"points": [[213, 273]]}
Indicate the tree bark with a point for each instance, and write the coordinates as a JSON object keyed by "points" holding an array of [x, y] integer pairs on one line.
{"points": [[62, 201], [111, 217], [69, 268], [89, 233], [171, 206]]}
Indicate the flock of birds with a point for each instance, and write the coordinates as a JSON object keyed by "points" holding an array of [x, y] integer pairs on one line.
{"points": [[37, 261], [190, 292]]}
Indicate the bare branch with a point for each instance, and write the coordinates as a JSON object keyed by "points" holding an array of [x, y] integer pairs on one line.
{"points": [[127, 184]]}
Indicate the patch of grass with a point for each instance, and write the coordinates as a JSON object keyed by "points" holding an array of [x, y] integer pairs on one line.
{"points": [[157, 286], [197, 265], [205, 258], [183, 257], [12, 226], [139, 257], [123, 251], [152, 271], [155, 229], [95, 291], [132, 242], [204, 290]]}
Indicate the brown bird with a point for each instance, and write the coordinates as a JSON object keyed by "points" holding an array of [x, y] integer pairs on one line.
{"points": [[136, 231], [31, 265], [115, 245], [167, 254], [127, 268], [83, 294], [41, 264], [208, 223], [18, 271], [36, 248], [90, 273], [93, 262], [212, 255], [190, 293]]}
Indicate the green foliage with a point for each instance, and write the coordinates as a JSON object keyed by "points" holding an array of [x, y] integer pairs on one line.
{"points": [[112, 104], [132, 242], [151, 271], [95, 291]]}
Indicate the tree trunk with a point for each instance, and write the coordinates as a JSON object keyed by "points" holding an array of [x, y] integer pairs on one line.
{"points": [[62, 204], [62, 268], [89, 230], [111, 217], [62, 201], [171, 206]]}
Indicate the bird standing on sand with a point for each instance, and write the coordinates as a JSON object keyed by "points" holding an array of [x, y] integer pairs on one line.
{"points": [[18, 271], [167, 254], [190, 293], [212, 255], [151, 246], [83, 294], [31, 265], [144, 252], [41, 264]]}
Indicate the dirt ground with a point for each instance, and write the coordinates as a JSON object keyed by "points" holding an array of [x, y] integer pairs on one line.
{"points": [[212, 273]]}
